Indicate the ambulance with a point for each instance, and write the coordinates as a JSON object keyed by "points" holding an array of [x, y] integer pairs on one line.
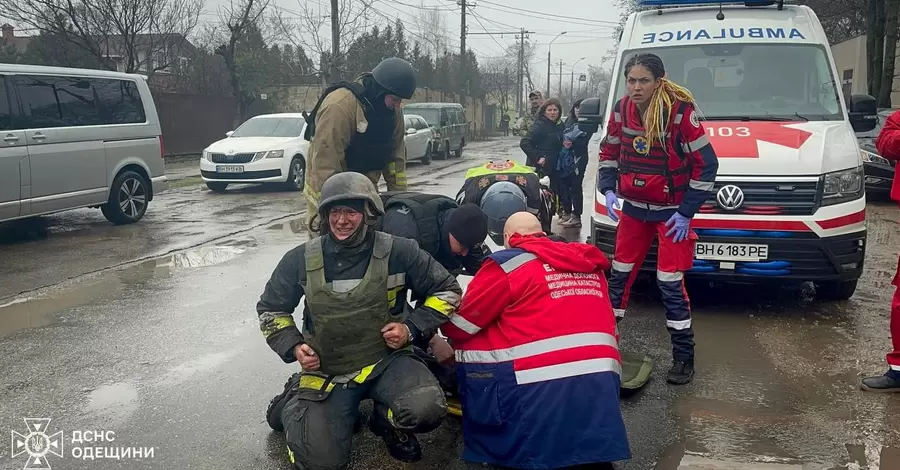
{"points": [[789, 201]]}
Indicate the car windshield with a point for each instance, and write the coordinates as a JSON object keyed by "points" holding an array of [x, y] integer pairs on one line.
{"points": [[736, 81], [432, 115], [270, 127]]}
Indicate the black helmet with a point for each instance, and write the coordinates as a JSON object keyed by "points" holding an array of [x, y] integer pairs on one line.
{"points": [[500, 201], [396, 76]]}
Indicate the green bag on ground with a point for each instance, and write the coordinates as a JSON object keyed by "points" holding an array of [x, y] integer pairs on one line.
{"points": [[636, 370]]}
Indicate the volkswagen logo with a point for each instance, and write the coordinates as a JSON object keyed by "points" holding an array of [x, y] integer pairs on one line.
{"points": [[730, 197]]}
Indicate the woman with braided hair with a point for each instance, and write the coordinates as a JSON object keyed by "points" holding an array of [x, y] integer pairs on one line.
{"points": [[657, 157]]}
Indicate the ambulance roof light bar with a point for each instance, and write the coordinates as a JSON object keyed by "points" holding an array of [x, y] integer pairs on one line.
{"points": [[660, 4]]}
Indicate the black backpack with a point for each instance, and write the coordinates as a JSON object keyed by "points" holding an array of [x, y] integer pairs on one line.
{"points": [[425, 209]]}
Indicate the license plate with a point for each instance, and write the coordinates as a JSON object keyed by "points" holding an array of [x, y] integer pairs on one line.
{"points": [[230, 169], [731, 252]]}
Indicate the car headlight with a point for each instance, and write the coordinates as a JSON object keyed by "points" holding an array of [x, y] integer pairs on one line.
{"points": [[870, 157], [269, 154], [843, 186], [205, 155]]}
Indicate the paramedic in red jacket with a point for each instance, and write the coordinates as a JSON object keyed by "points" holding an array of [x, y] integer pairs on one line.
{"points": [[888, 145], [659, 158], [537, 356]]}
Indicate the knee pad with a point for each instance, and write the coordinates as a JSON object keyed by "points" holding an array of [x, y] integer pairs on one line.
{"points": [[420, 410]]}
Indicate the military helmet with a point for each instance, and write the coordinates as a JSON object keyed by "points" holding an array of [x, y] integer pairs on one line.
{"points": [[397, 76], [501, 200], [347, 186]]}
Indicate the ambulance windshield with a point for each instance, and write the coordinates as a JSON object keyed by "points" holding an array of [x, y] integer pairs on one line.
{"points": [[752, 81]]}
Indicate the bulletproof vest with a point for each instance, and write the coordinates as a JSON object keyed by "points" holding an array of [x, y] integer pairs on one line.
{"points": [[344, 328], [370, 150], [475, 187], [425, 209]]}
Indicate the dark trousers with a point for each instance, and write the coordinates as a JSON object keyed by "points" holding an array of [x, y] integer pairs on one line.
{"points": [[319, 432], [590, 466], [560, 187], [576, 192]]}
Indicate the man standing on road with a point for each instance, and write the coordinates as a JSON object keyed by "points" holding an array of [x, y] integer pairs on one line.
{"points": [[537, 356], [359, 127], [888, 145], [535, 99], [357, 332]]}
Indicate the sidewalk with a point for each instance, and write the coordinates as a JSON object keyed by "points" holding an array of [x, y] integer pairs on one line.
{"points": [[182, 168]]}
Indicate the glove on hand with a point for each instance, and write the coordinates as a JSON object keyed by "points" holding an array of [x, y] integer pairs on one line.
{"points": [[680, 228], [612, 202]]}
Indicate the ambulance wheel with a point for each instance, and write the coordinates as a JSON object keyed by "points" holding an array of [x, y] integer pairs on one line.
{"points": [[836, 290]]}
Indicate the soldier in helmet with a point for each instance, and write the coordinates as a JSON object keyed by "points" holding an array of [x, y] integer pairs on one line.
{"points": [[358, 126], [356, 339]]}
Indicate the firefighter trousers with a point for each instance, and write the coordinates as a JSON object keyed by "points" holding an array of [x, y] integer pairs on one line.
{"points": [[319, 431], [633, 240], [893, 357]]}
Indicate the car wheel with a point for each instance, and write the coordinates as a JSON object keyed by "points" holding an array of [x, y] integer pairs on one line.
{"points": [[297, 174], [426, 159], [836, 290], [216, 187], [128, 198]]}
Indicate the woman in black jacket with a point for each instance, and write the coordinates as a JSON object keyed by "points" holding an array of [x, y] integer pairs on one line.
{"points": [[543, 143], [574, 184]]}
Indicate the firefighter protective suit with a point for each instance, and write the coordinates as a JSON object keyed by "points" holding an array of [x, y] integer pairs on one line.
{"points": [[657, 180], [351, 291], [350, 130], [540, 200], [888, 145], [537, 358]]}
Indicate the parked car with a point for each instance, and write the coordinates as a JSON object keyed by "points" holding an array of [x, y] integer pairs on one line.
{"points": [[879, 170], [448, 120], [418, 139], [269, 148], [78, 138]]}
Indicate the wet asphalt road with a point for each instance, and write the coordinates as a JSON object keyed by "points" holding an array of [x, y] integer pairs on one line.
{"points": [[165, 350]]}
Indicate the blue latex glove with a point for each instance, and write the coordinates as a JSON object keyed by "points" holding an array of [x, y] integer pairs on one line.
{"points": [[680, 228], [612, 202]]}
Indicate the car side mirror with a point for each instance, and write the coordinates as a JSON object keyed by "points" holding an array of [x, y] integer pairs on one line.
{"points": [[590, 116], [228, 134], [411, 131], [863, 113]]}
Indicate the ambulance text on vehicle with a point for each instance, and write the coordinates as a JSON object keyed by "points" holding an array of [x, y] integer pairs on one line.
{"points": [[789, 201]]}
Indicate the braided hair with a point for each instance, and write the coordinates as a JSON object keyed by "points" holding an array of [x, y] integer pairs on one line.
{"points": [[663, 98]]}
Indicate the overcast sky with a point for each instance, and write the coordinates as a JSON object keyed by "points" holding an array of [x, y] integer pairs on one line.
{"points": [[588, 24]]}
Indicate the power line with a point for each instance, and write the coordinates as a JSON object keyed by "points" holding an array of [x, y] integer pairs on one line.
{"points": [[502, 47], [545, 15]]}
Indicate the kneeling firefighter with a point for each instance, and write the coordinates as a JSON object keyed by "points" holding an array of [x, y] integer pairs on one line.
{"points": [[518, 188], [357, 333], [358, 126]]}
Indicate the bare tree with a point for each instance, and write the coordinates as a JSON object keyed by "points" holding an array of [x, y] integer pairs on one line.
{"points": [[238, 18], [432, 22], [498, 78], [316, 28], [132, 35]]}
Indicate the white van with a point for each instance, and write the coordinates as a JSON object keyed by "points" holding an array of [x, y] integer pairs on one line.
{"points": [[789, 201], [77, 138]]}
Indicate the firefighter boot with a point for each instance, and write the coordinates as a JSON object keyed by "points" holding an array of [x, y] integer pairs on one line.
{"points": [[887, 383], [681, 372], [273, 413], [402, 446]]}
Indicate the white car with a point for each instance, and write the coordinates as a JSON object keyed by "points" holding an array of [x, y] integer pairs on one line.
{"points": [[269, 148], [418, 138]]}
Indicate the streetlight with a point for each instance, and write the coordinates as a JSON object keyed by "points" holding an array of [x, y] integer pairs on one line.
{"points": [[572, 80], [548, 61]]}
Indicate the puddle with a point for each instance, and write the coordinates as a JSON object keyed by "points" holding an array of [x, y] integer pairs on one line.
{"points": [[185, 371], [116, 402], [205, 256], [297, 225], [34, 312]]}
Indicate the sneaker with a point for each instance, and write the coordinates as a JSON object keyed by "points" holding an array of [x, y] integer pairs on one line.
{"points": [[402, 446], [273, 413], [880, 383], [572, 221], [681, 372]]}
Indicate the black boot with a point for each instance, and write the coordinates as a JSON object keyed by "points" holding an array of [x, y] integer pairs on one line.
{"points": [[273, 413], [402, 446], [880, 383], [681, 372]]}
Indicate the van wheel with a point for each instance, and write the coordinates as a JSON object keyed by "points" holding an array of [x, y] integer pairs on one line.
{"points": [[297, 174], [458, 152], [128, 199], [216, 187], [836, 290], [445, 151]]}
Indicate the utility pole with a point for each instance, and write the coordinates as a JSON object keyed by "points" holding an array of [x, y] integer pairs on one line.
{"points": [[335, 40], [560, 79], [520, 82], [462, 52]]}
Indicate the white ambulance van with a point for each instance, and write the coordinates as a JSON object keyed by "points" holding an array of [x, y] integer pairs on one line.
{"points": [[789, 201]]}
